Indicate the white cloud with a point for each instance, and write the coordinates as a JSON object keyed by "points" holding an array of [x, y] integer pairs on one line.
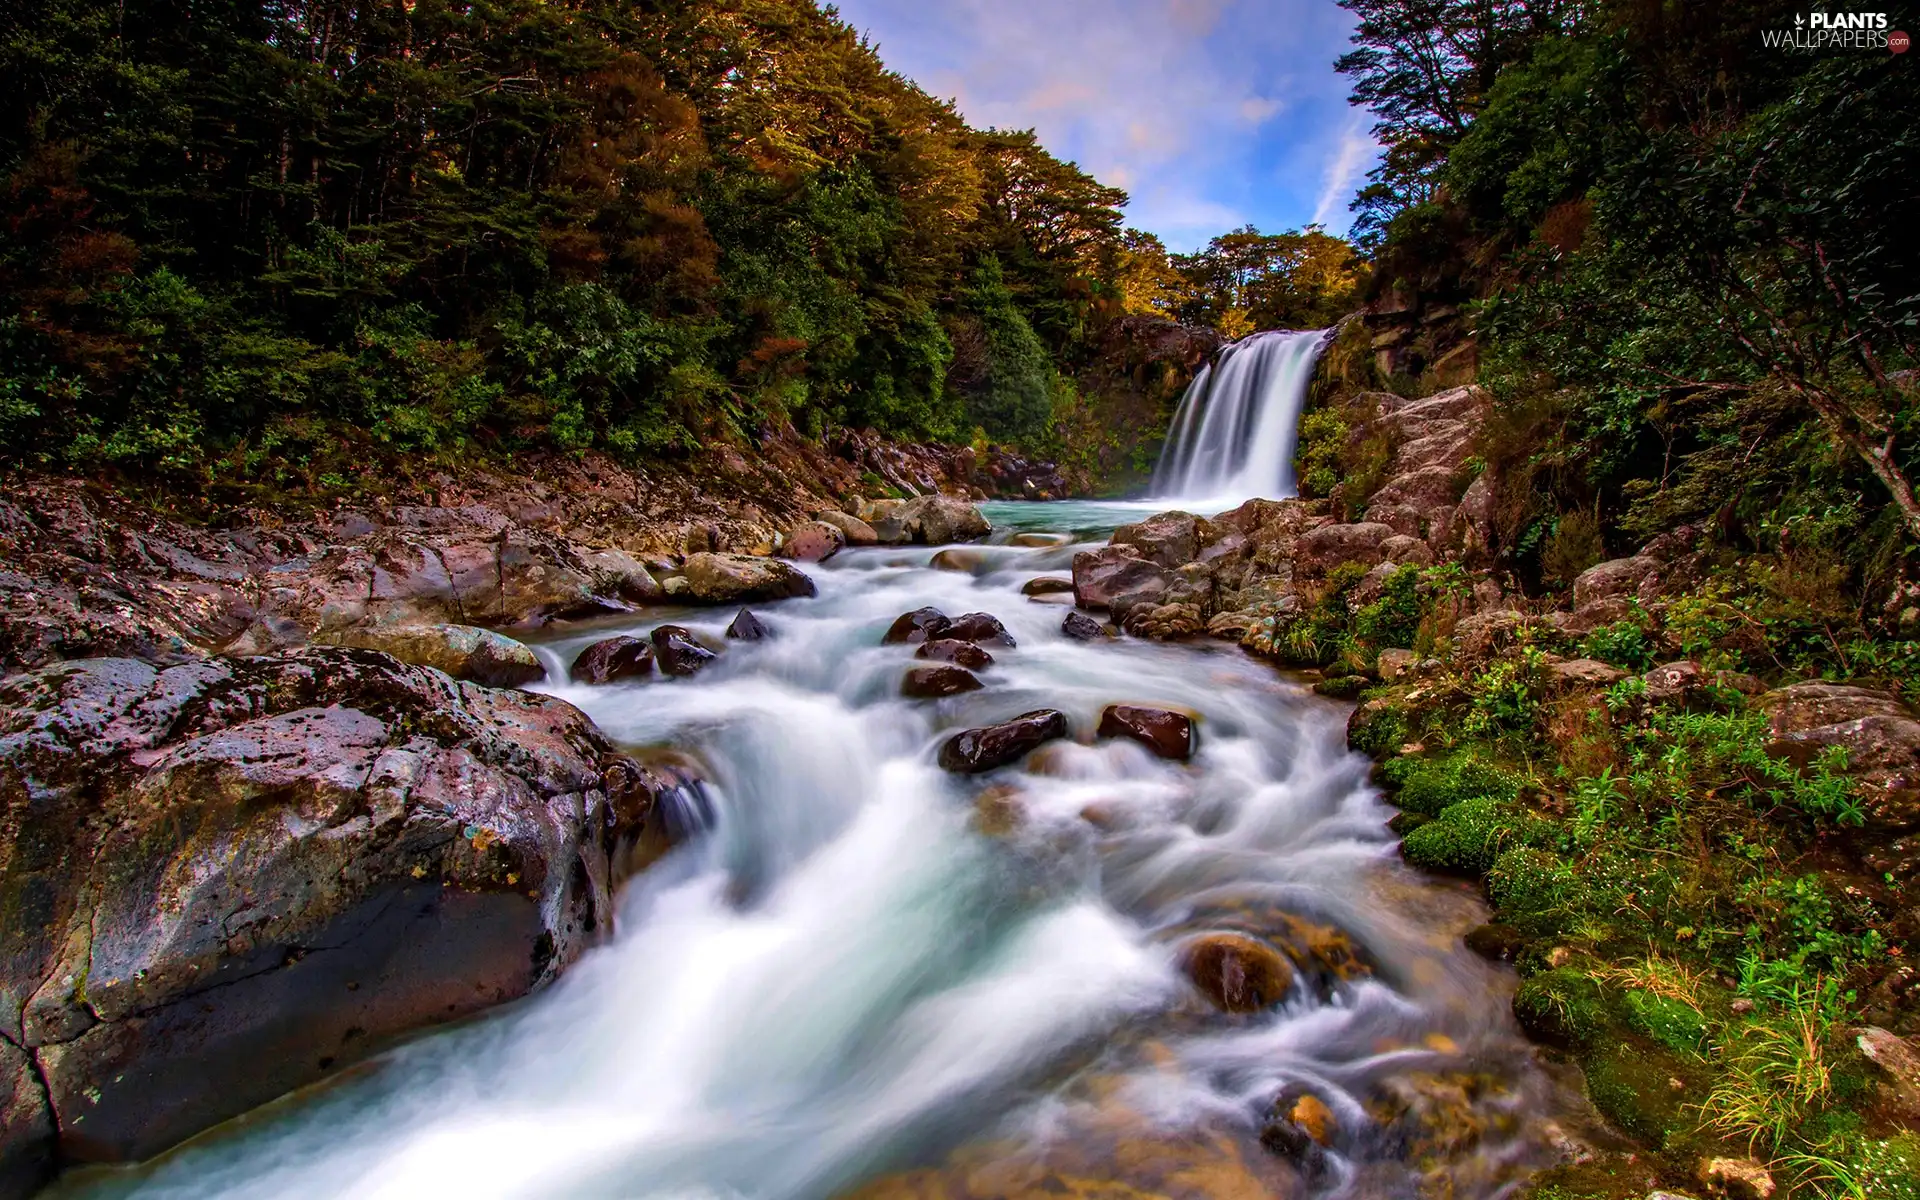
{"points": [[1344, 169]]}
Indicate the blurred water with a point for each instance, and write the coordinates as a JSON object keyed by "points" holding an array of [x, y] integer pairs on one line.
{"points": [[847, 977]]}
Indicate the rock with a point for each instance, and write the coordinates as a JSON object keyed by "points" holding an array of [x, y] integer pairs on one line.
{"points": [[612, 659], [1046, 585], [1038, 541], [978, 627], [999, 810], [1401, 550], [740, 578], [815, 541], [1164, 622], [1496, 943], [1676, 682], [1300, 1126], [1585, 672], [1897, 1057], [1395, 663], [1081, 627], [955, 651], [1101, 575], [678, 651], [1619, 577], [937, 520], [972, 751], [746, 627], [462, 651], [886, 519], [920, 625], [853, 529], [294, 858], [1320, 550], [1735, 1178], [26, 1125], [951, 559], [1168, 539], [1166, 733], [927, 683], [1479, 638], [1238, 973]]}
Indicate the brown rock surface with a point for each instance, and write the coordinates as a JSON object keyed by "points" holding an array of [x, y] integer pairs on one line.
{"points": [[1163, 731]]}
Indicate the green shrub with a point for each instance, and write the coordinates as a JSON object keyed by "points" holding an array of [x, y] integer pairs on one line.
{"points": [[1393, 618], [1624, 644]]}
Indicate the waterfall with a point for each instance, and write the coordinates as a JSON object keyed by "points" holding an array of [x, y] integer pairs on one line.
{"points": [[1232, 437]]}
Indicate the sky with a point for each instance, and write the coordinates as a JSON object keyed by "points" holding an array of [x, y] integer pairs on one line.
{"points": [[1210, 113]]}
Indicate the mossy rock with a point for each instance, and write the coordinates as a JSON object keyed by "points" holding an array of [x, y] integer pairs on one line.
{"points": [[1668, 1021], [1631, 1082], [1377, 728], [1533, 889], [1563, 1007], [1466, 838], [1889, 1168], [1432, 785], [1344, 687]]}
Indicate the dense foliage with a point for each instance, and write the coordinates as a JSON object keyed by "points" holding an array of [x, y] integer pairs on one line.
{"points": [[256, 236]]}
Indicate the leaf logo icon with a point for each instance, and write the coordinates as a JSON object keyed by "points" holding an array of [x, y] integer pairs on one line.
{"points": [[1798, 20]]}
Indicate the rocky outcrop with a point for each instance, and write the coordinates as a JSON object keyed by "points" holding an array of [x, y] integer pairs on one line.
{"points": [[737, 578], [225, 879], [1879, 734], [462, 651]]}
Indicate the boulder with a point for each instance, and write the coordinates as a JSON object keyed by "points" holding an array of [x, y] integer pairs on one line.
{"points": [[1081, 627], [887, 520], [1585, 673], [740, 578], [938, 520], [920, 625], [944, 679], [1101, 575], [1036, 541], [1319, 551], [1300, 1127], [951, 559], [1879, 734], [237, 875], [678, 651], [955, 651], [1240, 974], [462, 651], [815, 541], [1620, 577], [1401, 550], [1046, 585], [746, 627], [853, 529], [1168, 734], [972, 751], [1164, 622], [1169, 539], [1735, 1178], [1676, 682], [613, 659], [978, 627]]}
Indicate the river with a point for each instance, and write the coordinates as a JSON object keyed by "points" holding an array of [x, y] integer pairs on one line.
{"points": [[868, 979]]}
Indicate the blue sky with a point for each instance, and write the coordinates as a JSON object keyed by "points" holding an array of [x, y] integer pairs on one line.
{"points": [[1211, 113]]}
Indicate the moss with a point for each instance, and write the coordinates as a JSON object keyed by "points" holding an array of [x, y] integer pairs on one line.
{"points": [[1344, 687], [1467, 837], [1533, 889], [1377, 728], [1562, 1006], [1888, 1168], [1670, 1022], [1430, 785], [1632, 1084]]}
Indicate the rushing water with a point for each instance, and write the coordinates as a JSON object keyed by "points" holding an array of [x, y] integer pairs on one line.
{"points": [[874, 975], [1233, 434]]}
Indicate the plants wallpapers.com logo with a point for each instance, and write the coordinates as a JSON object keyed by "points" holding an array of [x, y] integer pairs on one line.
{"points": [[1838, 31]]}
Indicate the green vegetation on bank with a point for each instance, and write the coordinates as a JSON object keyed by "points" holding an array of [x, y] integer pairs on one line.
{"points": [[303, 242]]}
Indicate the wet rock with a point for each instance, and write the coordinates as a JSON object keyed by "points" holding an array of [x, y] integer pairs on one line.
{"points": [[886, 519], [1038, 541], [678, 652], [1735, 1178], [737, 578], [1496, 943], [937, 520], [26, 1125], [1081, 627], [959, 653], [613, 659], [999, 810], [972, 751], [815, 541], [1099, 576], [462, 651], [258, 868], [1168, 734], [1164, 622], [920, 625], [1169, 539], [1299, 1127], [746, 627], [1238, 973], [951, 559], [1046, 585], [852, 528], [930, 683], [978, 627]]}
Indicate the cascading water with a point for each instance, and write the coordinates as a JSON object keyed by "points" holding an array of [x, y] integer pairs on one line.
{"points": [[873, 978], [1233, 434]]}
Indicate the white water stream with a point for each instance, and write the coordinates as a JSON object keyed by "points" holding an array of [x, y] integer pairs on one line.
{"points": [[1233, 435], [848, 978]]}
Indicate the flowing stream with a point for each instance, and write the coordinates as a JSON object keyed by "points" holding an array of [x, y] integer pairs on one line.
{"points": [[871, 976], [1233, 434]]}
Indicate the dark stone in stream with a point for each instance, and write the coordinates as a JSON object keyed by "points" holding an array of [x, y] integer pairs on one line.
{"points": [[972, 751], [962, 654], [231, 877], [1081, 627], [1166, 733], [928, 683], [1496, 943], [979, 627], [1300, 1127], [747, 627], [1240, 974], [1046, 586], [612, 659], [920, 625], [679, 653]]}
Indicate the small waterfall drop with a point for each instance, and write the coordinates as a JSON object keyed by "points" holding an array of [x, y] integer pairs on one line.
{"points": [[1233, 434]]}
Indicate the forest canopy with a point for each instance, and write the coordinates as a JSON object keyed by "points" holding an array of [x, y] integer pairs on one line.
{"points": [[249, 233]]}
